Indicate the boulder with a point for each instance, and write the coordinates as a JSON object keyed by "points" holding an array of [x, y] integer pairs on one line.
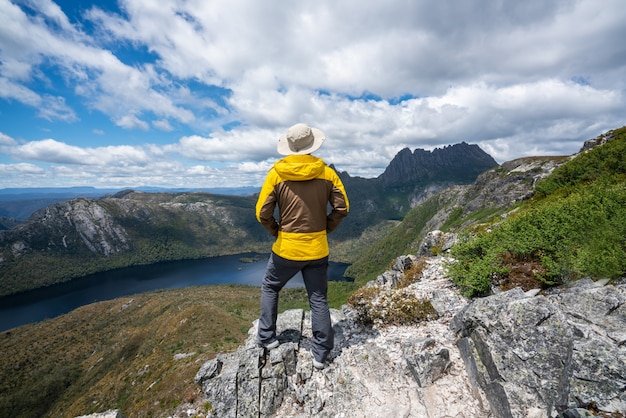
{"points": [[544, 355]]}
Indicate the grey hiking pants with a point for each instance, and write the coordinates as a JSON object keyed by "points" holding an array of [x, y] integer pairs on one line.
{"points": [[315, 274]]}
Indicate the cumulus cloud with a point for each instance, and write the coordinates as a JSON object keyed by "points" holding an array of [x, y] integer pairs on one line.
{"points": [[104, 82], [20, 168], [132, 122], [6, 140], [228, 145]]}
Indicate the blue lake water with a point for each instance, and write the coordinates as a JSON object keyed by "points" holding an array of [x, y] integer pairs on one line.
{"points": [[52, 301]]}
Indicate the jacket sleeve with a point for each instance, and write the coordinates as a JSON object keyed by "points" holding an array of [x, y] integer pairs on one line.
{"points": [[266, 204], [338, 201]]}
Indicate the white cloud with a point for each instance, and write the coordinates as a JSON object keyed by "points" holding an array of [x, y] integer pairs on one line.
{"points": [[20, 168], [54, 108], [163, 125], [6, 140], [104, 158], [228, 145], [100, 77], [15, 91], [132, 122], [52, 151]]}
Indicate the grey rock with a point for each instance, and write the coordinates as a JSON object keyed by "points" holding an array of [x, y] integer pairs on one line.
{"points": [[390, 278], [442, 241], [410, 371], [543, 355], [425, 364], [404, 262], [576, 413]]}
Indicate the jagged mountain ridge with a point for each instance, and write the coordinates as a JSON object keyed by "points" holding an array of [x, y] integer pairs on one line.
{"points": [[458, 163], [80, 236]]}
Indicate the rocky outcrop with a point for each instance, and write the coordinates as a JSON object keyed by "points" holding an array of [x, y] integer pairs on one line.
{"points": [[539, 356], [599, 140], [513, 354], [510, 183], [68, 227], [410, 371]]}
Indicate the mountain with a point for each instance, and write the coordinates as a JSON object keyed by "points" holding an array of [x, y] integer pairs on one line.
{"points": [[75, 237], [18, 203], [459, 164], [409, 180], [565, 219]]}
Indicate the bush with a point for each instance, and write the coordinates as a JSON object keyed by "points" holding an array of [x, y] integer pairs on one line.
{"points": [[575, 233], [377, 305]]}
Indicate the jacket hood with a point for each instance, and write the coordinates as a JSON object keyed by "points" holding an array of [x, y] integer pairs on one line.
{"points": [[299, 167]]}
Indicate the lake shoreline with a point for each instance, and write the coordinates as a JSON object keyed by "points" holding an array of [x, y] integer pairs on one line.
{"points": [[54, 300]]}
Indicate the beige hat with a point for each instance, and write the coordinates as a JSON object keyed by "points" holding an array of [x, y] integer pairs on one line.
{"points": [[300, 139]]}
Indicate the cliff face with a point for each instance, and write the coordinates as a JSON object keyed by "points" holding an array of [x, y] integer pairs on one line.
{"points": [[72, 226]]}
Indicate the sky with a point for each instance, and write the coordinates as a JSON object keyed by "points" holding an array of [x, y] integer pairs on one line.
{"points": [[195, 93]]}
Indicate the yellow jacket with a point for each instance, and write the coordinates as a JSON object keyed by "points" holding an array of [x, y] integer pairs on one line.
{"points": [[302, 186]]}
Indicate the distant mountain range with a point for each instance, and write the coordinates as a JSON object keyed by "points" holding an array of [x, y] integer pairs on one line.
{"points": [[19, 203], [12, 193]]}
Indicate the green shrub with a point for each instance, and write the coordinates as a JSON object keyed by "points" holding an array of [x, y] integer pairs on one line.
{"points": [[575, 232]]}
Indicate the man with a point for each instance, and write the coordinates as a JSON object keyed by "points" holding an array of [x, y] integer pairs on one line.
{"points": [[302, 186]]}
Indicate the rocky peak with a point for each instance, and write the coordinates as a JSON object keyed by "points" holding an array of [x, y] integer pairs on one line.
{"points": [[454, 163]]}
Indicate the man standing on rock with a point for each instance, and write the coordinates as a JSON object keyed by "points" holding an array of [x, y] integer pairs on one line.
{"points": [[302, 186]]}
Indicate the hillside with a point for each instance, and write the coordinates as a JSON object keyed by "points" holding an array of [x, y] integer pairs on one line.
{"points": [[494, 192], [536, 205], [81, 236], [139, 352]]}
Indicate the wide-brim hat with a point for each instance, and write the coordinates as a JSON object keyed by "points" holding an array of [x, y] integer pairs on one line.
{"points": [[300, 139]]}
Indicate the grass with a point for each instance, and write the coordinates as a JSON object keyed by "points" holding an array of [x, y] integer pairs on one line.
{"points": [[138, 354], [381, 306], [122, 353]]}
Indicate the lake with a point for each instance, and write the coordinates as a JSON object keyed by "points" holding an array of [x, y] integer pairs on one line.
{"points": [[52, 301]]}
